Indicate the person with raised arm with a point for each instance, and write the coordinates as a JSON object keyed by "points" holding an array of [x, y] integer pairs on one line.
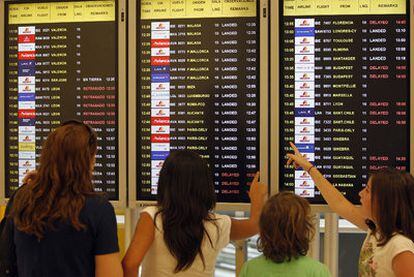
{"points": [[182, 236], [386, 213]]}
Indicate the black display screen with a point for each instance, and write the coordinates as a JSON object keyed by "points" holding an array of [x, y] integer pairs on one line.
{"points": [[61, 64], [198, 89], [344, 91]]}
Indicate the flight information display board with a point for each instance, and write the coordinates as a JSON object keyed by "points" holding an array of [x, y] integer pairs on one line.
{"points": [[344, 91], [61, 64], [198, 89]]}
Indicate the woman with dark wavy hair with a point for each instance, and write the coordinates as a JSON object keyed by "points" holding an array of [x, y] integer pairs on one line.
{"points": [[62, 227], [182, 236], [386, 213], [286, 229]]}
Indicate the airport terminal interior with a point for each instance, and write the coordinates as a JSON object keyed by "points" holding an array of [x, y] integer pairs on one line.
{"points": [[233, 80]]}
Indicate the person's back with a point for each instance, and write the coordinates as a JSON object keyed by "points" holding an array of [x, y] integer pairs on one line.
{"points": [[219, 233], [66, 251], [61, 226], [181, 236], [302, 266], [286, 228]]}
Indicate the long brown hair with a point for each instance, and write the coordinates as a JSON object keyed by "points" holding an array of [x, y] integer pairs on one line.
{"points": [[392, 204], [286, 227], [185, 198], [63, 180]]}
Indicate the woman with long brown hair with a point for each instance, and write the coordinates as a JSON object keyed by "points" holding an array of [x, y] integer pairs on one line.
{"points": [[182, 236], [62, 227], [386, 213]]}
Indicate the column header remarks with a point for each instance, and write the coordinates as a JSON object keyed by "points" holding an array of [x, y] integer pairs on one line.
{"points": [[176, 9], [341, 7], [61, 12]]}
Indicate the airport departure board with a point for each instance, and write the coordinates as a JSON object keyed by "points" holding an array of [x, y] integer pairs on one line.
{"points": [[198, 89], [61, 64], [344, 91]]}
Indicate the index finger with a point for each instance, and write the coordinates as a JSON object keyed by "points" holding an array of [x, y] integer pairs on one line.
{"points": [[295, 149], [256, 177]]}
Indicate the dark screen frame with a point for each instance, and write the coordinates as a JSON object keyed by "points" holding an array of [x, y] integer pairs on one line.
{"points": [[120, 199], [281, 159], [137, 193]]}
